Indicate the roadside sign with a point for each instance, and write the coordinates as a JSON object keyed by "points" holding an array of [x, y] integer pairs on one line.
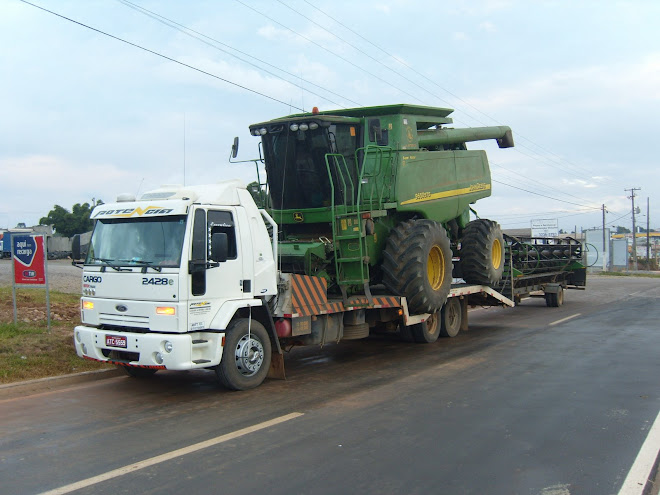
{"points": [[29, 264], [29, 259], [545, 227]]}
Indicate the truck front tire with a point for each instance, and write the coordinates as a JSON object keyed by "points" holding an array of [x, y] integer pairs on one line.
{"points": [[246, 355]]}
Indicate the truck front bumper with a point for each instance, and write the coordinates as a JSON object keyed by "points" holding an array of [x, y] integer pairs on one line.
{"points": [[151, 350]]}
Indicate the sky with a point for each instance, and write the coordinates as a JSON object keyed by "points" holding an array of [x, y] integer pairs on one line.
{"points": [[85, 116]]}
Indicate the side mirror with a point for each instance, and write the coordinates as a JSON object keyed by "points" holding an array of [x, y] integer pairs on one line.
{"points": [[219, 247], [234, 148], [75, 247]]}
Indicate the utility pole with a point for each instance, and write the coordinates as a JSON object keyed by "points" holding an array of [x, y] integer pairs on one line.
{"points": [[648, 244], [634, 246], [604, 245]]}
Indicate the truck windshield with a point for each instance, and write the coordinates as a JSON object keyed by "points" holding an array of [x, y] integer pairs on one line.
{"points": [[156, 241], [297, 172]]}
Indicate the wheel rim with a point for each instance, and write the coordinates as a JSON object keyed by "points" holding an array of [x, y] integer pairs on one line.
{"points": [[497, 253], [435, 268], [453, 315], [249, 355], [433, 324]]}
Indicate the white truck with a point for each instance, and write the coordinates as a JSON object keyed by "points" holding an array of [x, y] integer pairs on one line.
{"points": [[187, 278]]}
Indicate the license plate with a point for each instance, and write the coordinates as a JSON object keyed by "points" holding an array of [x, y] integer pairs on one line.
{"points": [[115, 341]]}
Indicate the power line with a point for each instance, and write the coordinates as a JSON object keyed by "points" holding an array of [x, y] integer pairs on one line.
{"points": [[187, 31], [329, 51], [545, 196], [162, 56], [408, 66]]}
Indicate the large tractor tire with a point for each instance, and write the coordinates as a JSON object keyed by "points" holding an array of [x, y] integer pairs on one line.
{"points": [[482, 253], [417, 264]]}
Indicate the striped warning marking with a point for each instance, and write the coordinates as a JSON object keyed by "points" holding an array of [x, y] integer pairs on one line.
{"points": [[309, 294]]}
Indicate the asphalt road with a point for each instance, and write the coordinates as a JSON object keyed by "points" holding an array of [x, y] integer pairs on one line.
{"points": [[532, 400]]}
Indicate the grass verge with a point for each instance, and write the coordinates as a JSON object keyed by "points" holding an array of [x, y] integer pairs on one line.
{"points": [[27, 349]]}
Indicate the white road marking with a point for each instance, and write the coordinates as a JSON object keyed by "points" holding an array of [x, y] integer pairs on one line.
{"points": [[640, 471], [168, 456], [565, 319]]}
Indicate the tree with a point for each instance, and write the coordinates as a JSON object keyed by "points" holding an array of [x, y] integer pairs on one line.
{"points": [[67, 223], [622, 230]]}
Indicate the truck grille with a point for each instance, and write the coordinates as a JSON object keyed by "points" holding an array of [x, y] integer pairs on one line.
{"points": [[124, 320]]}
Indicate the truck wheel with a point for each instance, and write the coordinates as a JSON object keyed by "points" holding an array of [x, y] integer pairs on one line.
{"points": [[245, 357], [556, 299], [482, 253], [428, 331], [450, 317], [417, 264], [138, 372]]}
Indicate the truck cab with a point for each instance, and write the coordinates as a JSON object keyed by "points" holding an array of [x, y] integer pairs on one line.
{"points": [[167, 274]]}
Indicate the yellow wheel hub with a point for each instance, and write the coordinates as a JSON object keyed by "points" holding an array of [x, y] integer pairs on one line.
{"points": [[435, 268], [496, 254]]}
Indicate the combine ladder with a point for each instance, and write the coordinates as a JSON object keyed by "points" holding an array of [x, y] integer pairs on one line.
{"points": [[351, 265]]}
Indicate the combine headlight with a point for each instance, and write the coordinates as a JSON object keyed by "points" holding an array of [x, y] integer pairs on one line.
{"points": [[313, 126], [293, 127], [303, 127], [263, 131]]}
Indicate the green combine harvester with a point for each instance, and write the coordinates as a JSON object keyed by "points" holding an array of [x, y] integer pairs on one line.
{"points": [[374, 196]]}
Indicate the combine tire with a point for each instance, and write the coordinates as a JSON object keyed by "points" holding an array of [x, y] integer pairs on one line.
{"points": [[482, 253], [245, 357], [417, 264]]}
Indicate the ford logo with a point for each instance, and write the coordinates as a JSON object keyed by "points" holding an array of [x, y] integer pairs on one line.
{"points": [[121, 307]]}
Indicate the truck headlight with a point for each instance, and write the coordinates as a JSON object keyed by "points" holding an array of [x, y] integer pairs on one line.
{"points": [[168, 346], [158, 357], [88, 305]]}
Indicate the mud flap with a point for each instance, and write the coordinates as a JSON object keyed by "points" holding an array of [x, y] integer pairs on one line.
{"points": [[277, 366]]}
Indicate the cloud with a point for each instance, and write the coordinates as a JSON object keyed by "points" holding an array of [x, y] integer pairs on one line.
{"points": [[488, 27], [36, 183], [460, 36]]}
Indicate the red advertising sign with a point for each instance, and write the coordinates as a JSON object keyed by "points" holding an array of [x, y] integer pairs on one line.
{"points": [[29, 259]]}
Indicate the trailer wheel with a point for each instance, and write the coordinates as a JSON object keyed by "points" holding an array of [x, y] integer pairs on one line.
{"points": [[245, 357], [555, 299], [482, 252], [138, 372], [450, 317], [428, 331], [417, 264]]}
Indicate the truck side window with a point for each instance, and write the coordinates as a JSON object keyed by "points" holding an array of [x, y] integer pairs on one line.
{"points": [[222, 221]]}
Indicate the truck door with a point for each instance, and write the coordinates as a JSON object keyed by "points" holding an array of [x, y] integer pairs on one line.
{"points": [[225, 280]]}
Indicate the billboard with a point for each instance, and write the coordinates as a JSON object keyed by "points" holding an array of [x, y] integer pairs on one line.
{"points": [[29, 259], [545, 227]]}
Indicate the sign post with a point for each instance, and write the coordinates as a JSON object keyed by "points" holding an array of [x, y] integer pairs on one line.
{"points": [[30, 266]]}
